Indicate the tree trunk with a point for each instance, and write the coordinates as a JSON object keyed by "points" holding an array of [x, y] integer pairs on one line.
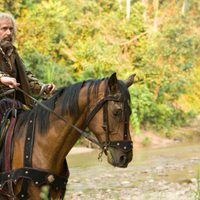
{"points": [[155, 23], [185, 7], [145, 4], [128, 9], [120, 4]]}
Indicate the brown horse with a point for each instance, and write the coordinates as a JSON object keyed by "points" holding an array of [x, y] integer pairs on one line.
{"points": [[101, 105]]}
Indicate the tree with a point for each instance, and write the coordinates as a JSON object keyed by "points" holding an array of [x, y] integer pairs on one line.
{"points": [[128, 9], [120, 4], [185, 7], [145, 4], [11, 6], [155, 22]]}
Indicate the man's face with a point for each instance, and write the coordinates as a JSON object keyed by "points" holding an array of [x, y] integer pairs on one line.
{"points": [[6, 30]]}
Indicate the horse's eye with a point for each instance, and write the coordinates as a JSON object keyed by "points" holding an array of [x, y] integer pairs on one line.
{"points": [[117, 112]]}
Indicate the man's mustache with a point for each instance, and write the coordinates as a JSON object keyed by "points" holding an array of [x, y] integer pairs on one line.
{"points": [[7, 39]]}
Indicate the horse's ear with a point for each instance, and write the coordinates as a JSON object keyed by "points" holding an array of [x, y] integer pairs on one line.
{"points": [[112, 82], [130, 80]]}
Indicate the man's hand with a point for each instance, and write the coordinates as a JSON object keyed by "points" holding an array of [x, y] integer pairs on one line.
{"points": [[9, 81], [49, 88]]}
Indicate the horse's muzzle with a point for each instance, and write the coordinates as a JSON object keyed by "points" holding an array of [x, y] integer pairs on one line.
{"points": [[119, 158]]}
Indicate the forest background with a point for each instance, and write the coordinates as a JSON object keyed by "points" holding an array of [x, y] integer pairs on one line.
{"points": [[66, 41]]}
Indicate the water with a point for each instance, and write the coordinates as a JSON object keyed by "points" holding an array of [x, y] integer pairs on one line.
{"points": [[152, 171]]}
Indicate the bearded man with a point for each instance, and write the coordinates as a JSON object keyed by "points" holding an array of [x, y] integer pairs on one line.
{"points": [[12, 70]]}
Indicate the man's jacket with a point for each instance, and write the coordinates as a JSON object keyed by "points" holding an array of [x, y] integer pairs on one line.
{"points": [[12, 65]]}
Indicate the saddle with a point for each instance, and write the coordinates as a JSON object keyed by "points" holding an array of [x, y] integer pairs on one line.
{"points": [[9, 109], [27, 174]]}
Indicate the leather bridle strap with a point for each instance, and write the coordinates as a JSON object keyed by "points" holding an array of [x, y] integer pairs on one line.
{"points": [[124, 145], [98, 106], [126, 121], [7, 92], [105, 121]]}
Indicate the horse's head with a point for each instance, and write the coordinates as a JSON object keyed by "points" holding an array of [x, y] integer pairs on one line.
{"points": [[109, 119]]}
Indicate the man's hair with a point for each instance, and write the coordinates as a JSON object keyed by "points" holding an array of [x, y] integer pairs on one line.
{"points": [[10, 17]]}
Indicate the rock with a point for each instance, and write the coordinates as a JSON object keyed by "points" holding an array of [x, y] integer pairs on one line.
{"points": [[187, 181], [193, 180], [151, 181], [80, 193], [125, 182], [76, 181]]}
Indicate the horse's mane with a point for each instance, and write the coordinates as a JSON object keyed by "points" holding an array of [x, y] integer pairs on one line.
{"points": [[69, 103]]}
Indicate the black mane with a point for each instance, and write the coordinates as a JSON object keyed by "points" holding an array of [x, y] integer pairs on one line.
{"points": [[69, 103]]}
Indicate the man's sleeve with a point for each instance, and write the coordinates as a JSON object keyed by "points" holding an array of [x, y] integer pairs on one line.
{"points": [[3, 74], [34, 83], [3, 88]]}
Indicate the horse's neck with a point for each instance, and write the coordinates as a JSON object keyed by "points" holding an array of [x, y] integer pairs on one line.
{"points": [[51, 148], [59, 139]]}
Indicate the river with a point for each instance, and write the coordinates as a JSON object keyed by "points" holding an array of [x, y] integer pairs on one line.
{"points": [[169, 173]]}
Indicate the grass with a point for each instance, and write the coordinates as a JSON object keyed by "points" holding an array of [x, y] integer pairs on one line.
{"points": [[197, 192]]}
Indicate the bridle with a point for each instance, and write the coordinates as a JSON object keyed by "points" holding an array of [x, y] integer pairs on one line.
{"points": [[125, 145], [60, 181]]}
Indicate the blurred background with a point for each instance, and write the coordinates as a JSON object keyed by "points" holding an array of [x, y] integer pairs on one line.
{"points": [[66, 41]]}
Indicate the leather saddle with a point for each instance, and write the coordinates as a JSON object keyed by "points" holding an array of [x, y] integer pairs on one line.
{"points": [[8, 117]]}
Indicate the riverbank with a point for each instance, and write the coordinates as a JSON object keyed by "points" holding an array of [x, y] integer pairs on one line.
{"points": [[166, 173], [189, 133], [166, 169]]}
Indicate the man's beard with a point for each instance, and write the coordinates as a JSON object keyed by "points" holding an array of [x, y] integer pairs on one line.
{"points": [[8, 38], [7, 46]]}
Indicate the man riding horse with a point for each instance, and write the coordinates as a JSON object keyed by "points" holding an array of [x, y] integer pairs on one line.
{"points": [[12, 71], [29, 159]]}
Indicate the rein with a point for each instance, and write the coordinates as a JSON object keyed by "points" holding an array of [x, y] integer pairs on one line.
{"points": [[83, 133], [40, 177], [7, 93], [124, 145]]}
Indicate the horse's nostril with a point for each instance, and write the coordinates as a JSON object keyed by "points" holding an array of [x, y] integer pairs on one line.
{"points": [[123, 159]]}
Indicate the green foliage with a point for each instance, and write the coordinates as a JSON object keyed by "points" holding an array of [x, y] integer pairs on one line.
{"points": [[168, 59], [13, 7], [64, 41], [141, 101], [197, 192], [44, 193]]}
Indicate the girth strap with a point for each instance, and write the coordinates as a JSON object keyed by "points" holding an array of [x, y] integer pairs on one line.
{"points": [[37, 176], [23, 194]]}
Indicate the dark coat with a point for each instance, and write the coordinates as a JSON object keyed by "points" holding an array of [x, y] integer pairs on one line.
{"points": [[17, 70]]}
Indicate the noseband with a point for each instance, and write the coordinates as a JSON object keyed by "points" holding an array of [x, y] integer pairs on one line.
{"points": [[124, 145]]}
